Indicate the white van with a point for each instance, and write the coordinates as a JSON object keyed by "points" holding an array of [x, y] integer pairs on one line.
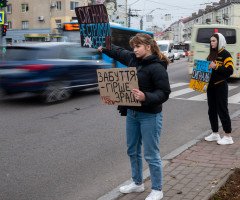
{"points": [[200, 43], [166, 47]]}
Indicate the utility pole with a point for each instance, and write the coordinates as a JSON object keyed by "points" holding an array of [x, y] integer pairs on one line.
{"points": [[3, 4], [141, 20], [141, 23], [126, 9], [131, 15], [1, 25]]}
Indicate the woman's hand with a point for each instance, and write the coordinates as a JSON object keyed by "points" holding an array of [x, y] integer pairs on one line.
{"points": [[139, 95], [100, 49], [212, 65]]}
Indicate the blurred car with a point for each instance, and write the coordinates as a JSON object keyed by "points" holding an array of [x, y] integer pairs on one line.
{"points": [[182, 53], [52, 70], [187, 53], [165, 48], [176, 54]]}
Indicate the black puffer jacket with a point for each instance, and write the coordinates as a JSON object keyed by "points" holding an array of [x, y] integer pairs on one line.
{"points": [[152, 78], [224, 68]]}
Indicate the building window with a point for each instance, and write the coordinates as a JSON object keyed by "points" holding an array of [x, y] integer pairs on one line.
{"points": [[59, 5], [24, 7], [9, 25], [73, 5], [9, 8], [25, 24], [58, 23]]}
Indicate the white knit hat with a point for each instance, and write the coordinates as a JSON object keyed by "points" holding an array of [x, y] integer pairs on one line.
{"points": [[222, 41]]}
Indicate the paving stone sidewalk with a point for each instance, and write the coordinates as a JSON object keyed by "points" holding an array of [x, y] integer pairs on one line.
{"points": [[198, 172]]}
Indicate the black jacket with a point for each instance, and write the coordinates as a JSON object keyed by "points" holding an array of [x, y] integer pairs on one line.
{"points": [[152, 78], [224, 68]]}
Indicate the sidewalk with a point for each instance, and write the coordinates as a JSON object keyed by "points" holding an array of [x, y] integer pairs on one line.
{"points": [[198, 172]]}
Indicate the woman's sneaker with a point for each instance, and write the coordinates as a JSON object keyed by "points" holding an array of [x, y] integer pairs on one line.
{"points": [[155, 195], [132, 187], [225, 140], [213, 137]]}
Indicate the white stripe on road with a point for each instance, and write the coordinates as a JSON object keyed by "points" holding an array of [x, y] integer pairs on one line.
{"points": [[178, 85], [200, 97], [234, 99], [203, 97], [231, 87], [181, 92]]}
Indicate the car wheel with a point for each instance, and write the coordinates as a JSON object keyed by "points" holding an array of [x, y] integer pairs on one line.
{"points": [[56, 91]]}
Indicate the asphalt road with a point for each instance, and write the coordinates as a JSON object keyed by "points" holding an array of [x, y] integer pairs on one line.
{"points": [[76, 150]]}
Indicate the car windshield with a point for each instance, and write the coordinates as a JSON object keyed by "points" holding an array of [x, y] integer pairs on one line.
{"points": [[163, 47]]}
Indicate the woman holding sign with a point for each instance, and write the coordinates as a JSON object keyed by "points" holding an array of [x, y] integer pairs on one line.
{"points": [[217, 92], [144, 123]]}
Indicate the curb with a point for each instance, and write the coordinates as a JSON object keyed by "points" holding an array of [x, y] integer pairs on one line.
{"points": [[114, 194], [217, 187]]}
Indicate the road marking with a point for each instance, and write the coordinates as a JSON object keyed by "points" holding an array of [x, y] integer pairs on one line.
{"points": [[234, 99], [203, 97], [181, 92], [200, 97], [178, 85]]}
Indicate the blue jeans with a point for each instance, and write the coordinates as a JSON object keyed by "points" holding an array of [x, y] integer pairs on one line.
{"points": [[144, 128]]}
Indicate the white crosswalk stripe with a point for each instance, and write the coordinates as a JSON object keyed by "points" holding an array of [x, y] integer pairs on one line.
{"points": [[174, 85], [234, 99], [200, 97], [181, 90]]}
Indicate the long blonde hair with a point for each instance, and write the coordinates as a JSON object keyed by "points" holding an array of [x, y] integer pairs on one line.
{"points": [[145, 39]]}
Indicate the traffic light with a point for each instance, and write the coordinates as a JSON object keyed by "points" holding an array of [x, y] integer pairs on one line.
{"points": [[4, 30], [3, 3]]}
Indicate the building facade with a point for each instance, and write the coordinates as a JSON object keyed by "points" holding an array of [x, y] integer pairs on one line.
{"points": [[39, 20], [224, 12]]}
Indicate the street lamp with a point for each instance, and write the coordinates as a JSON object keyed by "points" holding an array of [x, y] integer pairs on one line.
{"points": [[141, 20]]}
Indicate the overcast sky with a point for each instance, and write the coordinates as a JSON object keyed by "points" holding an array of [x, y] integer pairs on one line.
{"points": [[177, 9]]}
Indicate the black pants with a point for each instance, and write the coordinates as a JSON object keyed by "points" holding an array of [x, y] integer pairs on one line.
{"points": [[218, 106]]}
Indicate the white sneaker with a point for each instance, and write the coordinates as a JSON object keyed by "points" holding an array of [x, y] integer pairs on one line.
{"points": [[132, 187], [155, 195], [225, 140], [213, 137]]}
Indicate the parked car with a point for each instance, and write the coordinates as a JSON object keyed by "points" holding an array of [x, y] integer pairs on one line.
{"points": [[52, 70], [166, 47], [182, 53], [176, 54]]}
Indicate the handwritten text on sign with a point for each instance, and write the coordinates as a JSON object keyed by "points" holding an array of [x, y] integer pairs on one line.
{"points": [[116, 84], [94, 26], [201, 76]]}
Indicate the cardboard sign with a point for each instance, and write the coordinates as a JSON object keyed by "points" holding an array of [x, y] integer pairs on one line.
{"points": [[116, 84], [201, 76], [94, 26]]}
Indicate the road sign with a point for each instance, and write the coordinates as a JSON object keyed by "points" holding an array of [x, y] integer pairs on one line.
{"points": [[1, 17]]}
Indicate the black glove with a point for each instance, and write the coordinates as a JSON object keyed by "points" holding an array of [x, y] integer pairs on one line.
{"points": [[122, 110]]}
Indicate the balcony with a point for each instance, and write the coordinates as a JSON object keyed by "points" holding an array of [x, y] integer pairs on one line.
{"points": [[208, 21], [218, 19], [225, 16]]}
